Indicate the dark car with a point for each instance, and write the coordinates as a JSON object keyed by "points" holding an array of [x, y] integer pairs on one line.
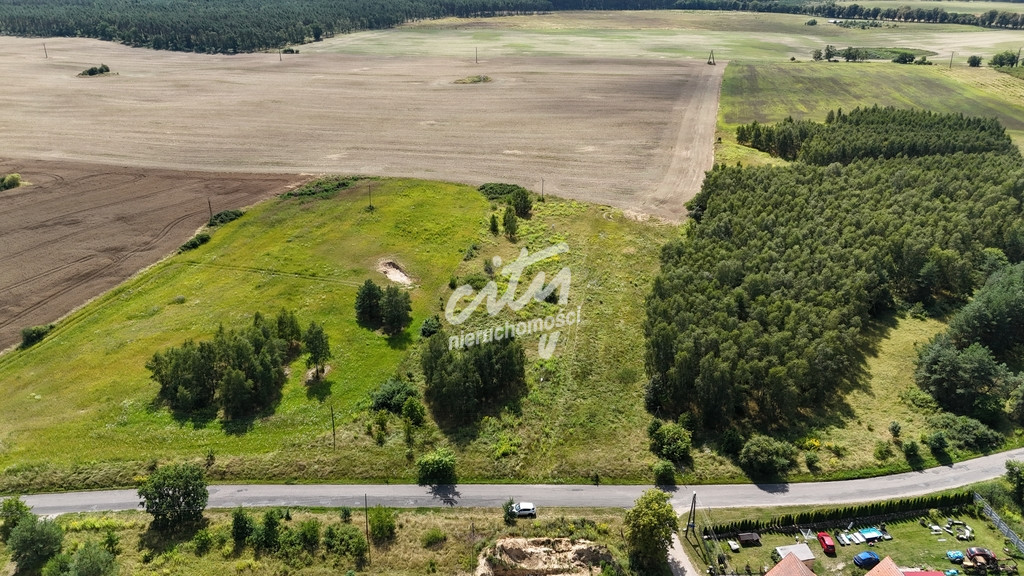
{"points": [[975, 552], [866, 559], [827, 545]]}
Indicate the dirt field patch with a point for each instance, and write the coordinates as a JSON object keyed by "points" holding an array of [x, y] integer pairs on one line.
{"points": [[78, 229], [606, 129]]}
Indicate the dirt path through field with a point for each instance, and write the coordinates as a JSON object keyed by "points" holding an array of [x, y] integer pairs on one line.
{"points": [[694, 151]]}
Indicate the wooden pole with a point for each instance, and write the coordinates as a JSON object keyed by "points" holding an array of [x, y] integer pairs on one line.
{"points": [[366, 518], [334, 432], [477, 55], [951, 60], [45, 55], [210, 206]]}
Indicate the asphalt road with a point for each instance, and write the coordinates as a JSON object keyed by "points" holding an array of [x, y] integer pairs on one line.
{"points": [[548, 495]]}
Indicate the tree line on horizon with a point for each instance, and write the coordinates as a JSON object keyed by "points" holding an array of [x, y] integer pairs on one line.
{"points": [[219, 26], [757, 318]]}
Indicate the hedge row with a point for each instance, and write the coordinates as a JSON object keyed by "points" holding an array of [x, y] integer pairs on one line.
{"points": [[862, 512]]}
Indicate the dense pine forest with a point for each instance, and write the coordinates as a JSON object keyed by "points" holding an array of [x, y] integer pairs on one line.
{"points": [[222, 26], [759, 316]]}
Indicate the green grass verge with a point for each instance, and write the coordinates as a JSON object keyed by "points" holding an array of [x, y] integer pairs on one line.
{"points": [[467, 530]]}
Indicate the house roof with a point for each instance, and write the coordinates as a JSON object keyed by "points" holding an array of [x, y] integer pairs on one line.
{"points": [[885, 568], [791, 565]]}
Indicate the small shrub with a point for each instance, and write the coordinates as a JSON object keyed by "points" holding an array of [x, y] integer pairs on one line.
{"points": [[966, 432], [224, 217], [203, 541], [671, 441], [346, 540], [195, 242], [508, 513], [766, 456], [812, 460], [894, 429], [309, 535], [664, 473], [414, 411], [392, 395], [241, 526], [33, 542], [12, 511], [430, 327], [383, 524], [346, 514], [883, 450], [974, 61], [10, 181], [433, 537], [437, 467], [34, 334]]}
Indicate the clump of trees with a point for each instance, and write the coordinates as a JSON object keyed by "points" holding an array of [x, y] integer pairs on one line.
{"points": [[10, 181], [302, 543], [461, 384], [388, 308], [37, 545], [875, 133], [1006, 59], [96, 70], [965, 370], [974, 61], [240, 372], [755, 319]]}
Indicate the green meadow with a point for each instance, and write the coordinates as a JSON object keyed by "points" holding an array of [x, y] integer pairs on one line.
{"points": [[81, 411]]}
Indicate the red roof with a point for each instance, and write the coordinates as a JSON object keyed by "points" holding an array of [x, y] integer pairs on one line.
{"points": [[886, 568], [790, 566]]}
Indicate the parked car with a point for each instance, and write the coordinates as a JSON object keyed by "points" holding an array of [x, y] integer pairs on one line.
{"points": [[866, 559], [525, 509], [827, 545], [975, 552]]}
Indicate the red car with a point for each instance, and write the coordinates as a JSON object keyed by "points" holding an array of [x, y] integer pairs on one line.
{"points": [[974, 553], [826, 543]]}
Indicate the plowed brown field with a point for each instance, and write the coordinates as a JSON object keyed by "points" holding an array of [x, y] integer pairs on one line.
{"points": [[80, 229]]}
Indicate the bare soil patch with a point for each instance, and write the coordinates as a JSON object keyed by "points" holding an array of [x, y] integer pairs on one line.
{"points": [[79, 229], [394, 272], [541, 556], [636, 133]]}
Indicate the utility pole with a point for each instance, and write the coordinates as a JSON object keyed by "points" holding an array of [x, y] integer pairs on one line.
{"points": [[369, 191], [45, 55], [366, 518], [951, 60], [334, 432], [210, 206], [477, 55], [541, 188]]}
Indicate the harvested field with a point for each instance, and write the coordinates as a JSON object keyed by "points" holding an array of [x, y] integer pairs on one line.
{"points": [[609, 130], [77, 229]]}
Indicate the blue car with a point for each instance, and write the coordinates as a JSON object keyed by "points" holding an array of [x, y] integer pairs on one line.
{"points": [[866, 559]]}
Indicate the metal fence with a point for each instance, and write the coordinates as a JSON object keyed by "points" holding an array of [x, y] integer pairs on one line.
{"points": [[994, 517]]}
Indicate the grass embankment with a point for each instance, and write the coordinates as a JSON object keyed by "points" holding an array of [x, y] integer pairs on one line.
{"points": [[466, 529], [80, 409], [769, 92]]}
